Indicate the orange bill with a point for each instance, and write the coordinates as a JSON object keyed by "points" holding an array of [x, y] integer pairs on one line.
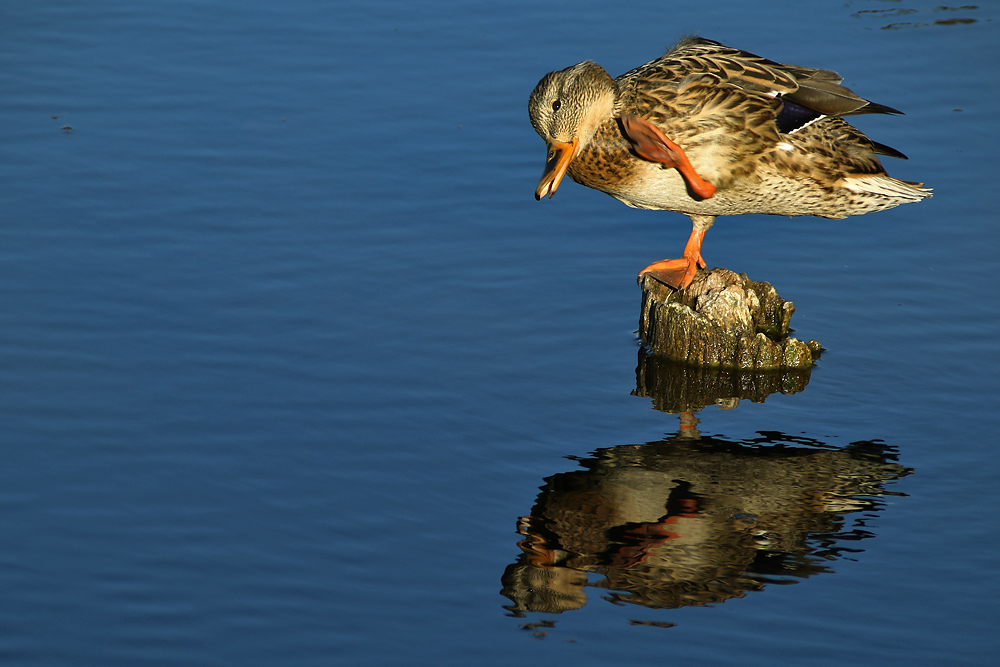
{"points": [[560, 155]]}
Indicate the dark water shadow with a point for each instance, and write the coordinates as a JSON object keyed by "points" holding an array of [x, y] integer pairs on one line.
{"points": [[693, 520]]}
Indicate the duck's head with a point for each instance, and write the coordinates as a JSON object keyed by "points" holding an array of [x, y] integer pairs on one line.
{"points": [[566, 109]]}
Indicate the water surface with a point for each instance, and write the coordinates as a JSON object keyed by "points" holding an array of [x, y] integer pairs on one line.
{"points": [[296, 369]]}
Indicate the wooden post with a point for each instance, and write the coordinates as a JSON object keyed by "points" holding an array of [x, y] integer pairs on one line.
{"points": [[722, 320]]}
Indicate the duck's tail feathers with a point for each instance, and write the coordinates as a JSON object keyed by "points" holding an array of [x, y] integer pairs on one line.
{"points": [[883, 185]]}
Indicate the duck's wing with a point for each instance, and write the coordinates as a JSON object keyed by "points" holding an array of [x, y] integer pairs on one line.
{"points": [[720, 110], [807, 94], [726, 108]]}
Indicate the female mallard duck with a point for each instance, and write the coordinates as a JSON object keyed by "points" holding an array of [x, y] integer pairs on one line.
{"points": [[708, 130]]}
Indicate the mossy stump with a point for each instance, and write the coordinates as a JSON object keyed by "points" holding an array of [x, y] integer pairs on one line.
{"points": [[723, 320]]}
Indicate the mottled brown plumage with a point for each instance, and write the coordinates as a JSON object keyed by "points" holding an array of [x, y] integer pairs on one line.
{"points": [[709, 130]]}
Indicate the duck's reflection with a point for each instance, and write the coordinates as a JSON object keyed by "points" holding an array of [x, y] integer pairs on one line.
{"points": [[693, 520]]}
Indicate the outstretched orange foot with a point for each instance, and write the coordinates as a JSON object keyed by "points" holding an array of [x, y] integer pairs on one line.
{"points": [[651, 144], [678, 273]]}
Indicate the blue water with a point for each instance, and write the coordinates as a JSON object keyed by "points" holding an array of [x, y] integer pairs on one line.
{"points": [[289, 351]]}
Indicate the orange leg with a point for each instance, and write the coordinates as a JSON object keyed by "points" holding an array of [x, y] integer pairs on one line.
{"points": [[678, 273]]}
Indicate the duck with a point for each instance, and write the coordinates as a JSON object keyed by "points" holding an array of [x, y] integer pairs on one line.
{"points": [[709, 130]]}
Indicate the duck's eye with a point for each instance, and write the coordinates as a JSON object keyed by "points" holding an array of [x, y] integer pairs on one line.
{"points": [[555, 105]]}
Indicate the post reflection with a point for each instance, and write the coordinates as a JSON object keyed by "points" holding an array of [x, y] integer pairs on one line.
{"points": [[675, 387], [694, 520]]}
